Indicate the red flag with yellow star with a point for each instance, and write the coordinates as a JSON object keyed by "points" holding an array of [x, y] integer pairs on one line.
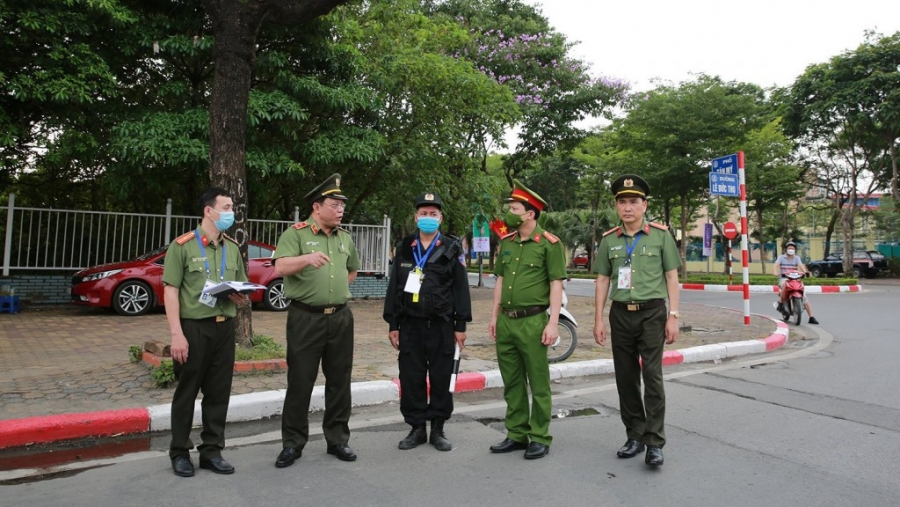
{"points": [[499, 227]]}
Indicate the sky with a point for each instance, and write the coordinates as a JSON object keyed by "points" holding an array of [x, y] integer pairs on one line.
{"points": [[765, 42]]}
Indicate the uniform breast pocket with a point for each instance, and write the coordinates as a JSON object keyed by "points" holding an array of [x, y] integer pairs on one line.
{"points": [[231, 270], [195, 273]]}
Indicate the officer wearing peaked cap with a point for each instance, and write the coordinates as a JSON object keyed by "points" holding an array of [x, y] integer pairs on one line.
{"points": [[318, 261], [640, 261], [530, 270], [427, 306]]}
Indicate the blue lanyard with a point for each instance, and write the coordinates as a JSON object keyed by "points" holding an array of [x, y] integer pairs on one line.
{"points": [[421, 258], [630, 249], [206, 262]]}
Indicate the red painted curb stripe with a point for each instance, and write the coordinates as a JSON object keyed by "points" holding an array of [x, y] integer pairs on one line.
{"points": [[671, 357], [396, 382], [831, 288], [774, 341], [55, 457], [693, 286], [54, 428], [854, 288], [471, 381]]}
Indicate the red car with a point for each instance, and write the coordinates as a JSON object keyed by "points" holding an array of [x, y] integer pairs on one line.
{"points": [[134, 287], [580, 261]]}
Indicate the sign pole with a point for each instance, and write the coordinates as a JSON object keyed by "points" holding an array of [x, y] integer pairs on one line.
{"points": [[745, 253]]}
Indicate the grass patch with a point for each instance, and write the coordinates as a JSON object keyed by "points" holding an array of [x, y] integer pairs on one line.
{"points": [[264, 347]]}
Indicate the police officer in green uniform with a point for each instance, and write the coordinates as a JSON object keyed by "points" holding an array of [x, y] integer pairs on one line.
{"points": [[202, 331], [318, 261], [530, 271], [640, 261], [427, 306]]}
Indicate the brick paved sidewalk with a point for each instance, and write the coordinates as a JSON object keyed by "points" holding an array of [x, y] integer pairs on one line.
{"points": [[71, 359]]}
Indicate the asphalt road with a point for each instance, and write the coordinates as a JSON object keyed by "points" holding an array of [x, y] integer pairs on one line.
{"points": [[816, 423]]}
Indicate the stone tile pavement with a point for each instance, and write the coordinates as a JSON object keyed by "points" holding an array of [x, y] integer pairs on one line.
{"points": [[69, 359]]}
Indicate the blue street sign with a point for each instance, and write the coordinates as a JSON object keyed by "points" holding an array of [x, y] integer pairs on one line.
{"points": [[724, 184], [725, 165]]}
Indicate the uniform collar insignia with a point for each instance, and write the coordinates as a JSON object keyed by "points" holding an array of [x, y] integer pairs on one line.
{"points": [[646, 228]]}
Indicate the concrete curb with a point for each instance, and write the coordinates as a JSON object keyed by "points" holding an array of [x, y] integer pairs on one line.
{"points": [[266, 404], [812, 289]]}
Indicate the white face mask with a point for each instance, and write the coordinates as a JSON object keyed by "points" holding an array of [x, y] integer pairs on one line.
{"points": [[790, 251]]}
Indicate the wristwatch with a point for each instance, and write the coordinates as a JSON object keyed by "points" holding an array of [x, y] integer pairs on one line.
{"points": [[674, 313]]}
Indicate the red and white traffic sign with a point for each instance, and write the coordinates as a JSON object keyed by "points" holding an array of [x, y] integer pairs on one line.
{"points": [[730, 230]]}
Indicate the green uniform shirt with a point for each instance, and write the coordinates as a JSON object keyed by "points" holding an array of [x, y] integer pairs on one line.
{"points": [[185, 269], [528, 266], [325, 286], [654, 255]]}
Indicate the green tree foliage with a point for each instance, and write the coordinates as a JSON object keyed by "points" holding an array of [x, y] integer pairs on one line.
{"points": [[845, 113], [514, 44], [55, 75], [673, 132]]}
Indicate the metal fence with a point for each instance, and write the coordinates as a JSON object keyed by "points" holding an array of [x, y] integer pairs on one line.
{"points": [[40, 239]]}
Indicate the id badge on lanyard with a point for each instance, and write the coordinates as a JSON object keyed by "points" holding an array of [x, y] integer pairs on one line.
{"points": [[205, 297], [625, 271], [417, 276]]}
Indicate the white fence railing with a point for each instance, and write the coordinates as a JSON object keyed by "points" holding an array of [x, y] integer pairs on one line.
{"points": [[69, 240]]}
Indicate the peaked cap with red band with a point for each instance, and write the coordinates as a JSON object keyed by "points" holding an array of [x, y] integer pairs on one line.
{"points": [[522, 193]]}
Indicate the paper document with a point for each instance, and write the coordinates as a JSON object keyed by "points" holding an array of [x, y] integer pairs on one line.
{"points": [[225, 288]]}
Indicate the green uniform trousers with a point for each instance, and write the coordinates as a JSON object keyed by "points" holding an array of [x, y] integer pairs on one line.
{"points": [[313, 338], [209, 368], [639, 338], [523, 362]]}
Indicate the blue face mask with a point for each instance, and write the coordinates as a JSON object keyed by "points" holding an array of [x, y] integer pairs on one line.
{"points": [[226, 220], [428, 224]]}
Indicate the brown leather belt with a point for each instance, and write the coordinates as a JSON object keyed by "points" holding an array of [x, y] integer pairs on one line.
{"points": [[636, 307], [527, 312], [327, 310]]}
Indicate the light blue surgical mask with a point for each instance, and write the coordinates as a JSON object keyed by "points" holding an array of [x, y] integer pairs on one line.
{"points": [[226, 219], [428, 224]]}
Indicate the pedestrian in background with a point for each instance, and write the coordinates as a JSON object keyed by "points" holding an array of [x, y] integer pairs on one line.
{"points": [[202, 331], [640, 260], [318, 261], [427, 306], [530, 270]]}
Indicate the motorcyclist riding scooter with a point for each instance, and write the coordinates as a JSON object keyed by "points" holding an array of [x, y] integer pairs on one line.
{"points": [[790, 262]]}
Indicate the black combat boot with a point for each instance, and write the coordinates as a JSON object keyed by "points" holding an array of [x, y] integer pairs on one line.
{"points": [[416, 437], [438, 440]]}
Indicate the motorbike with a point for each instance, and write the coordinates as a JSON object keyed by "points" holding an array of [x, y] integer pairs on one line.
{"points": [[793, 297], [565, 343]]}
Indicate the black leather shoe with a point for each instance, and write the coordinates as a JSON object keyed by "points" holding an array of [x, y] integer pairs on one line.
{"points": [[631, 449], [654, 456], [536, 450], [182, 466], [812, 320], [438, 439], [217, 465], [508, 446], [343, 452], [415, 438], [287, 456]]}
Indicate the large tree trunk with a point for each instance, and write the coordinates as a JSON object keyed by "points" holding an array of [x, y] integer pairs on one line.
{"points": [[894, 176], [684, 223], [762, 238], [235, 25]]}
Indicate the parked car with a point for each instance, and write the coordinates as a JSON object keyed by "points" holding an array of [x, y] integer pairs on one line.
{"points": [[580, 261], [134, 287], [865, 264]]}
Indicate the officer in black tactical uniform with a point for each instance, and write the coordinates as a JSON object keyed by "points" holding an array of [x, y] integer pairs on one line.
{"points": [[427, 306]]}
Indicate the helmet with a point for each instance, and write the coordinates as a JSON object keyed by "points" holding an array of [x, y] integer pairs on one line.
{"points": [[790, 244]]}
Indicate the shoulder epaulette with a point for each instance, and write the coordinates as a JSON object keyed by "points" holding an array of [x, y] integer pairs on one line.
{"points": [[300, 225], [184, 238], [659, 226], [509, 235], [607, 233], [229, 238], [550, 237], [342, 229]]}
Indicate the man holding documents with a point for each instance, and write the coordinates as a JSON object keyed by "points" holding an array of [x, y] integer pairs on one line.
{"points": [[318, 262], [202, 331], [427, 306]]}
